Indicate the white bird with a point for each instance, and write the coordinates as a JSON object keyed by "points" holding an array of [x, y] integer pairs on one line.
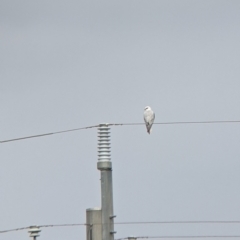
{"points": [[149, 117]]}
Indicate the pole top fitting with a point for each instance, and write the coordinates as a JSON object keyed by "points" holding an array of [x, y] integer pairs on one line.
{"points": [[104, 149], [34, 231], [104, 165]]}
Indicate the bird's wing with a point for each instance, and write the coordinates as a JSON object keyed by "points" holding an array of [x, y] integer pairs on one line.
{"points": [[146, 117], [153, 116]]}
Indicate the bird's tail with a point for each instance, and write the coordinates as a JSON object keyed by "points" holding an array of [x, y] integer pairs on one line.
{"points": [[149, 130]]}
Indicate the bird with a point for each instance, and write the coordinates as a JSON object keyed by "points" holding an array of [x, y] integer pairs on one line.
{"points": [[149, 117]]}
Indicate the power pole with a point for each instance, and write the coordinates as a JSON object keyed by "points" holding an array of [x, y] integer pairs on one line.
{"points": [[94, 226], [105, 166]]}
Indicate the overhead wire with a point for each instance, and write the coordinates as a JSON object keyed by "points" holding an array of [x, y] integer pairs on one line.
{"points": [[182, 237], [181, 222], [119, 124], [13, 230], [47, 134], [63, 225], [124, 223], [174, 123], [45, 226]]}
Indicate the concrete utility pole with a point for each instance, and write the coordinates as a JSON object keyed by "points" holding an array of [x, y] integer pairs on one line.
{"points": [[94, 226], [105, 166]]}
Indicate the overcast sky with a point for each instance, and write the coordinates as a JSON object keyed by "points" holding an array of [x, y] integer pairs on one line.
{"points": [[70, 64]]}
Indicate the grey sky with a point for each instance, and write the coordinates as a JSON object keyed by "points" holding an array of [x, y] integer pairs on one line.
{"points": [[68, 64]]}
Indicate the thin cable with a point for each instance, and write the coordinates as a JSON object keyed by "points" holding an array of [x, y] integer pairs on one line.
{"points": [[126, 223], [63, 225], [174, 123], [46, 226], [47, 134], [13, 230], [117, 124], [160, 237], [180, 222]]}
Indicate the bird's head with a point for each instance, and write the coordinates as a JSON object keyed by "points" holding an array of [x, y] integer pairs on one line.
{"points": [[147, 108]]}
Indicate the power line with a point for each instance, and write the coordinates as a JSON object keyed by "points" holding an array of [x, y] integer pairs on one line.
{"points": [[125, 223], [45, 226], [13, 230], [63, 225], [174, 123], [181, 222], [119, 124], [183, 237], [47, 134]]}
